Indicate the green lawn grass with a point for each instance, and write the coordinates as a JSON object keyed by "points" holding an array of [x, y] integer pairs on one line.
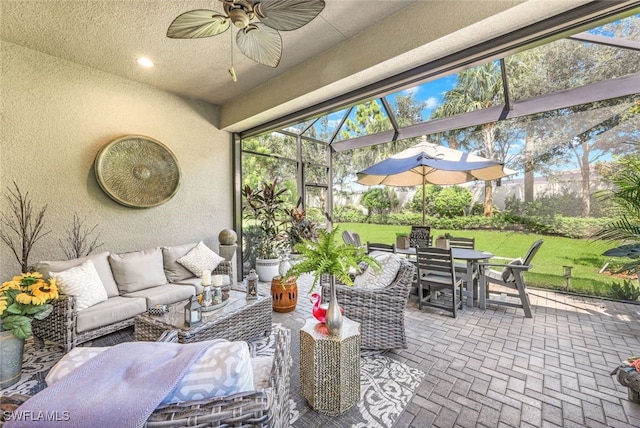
{"points": [[583, 255]]}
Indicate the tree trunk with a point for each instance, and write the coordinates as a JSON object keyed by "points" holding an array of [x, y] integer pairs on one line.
{"points": [[488, 198], [528, 170], [488, 140], [585, 171]]}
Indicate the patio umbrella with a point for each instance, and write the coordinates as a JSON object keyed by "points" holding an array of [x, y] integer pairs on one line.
{"points": [[430, 163]]}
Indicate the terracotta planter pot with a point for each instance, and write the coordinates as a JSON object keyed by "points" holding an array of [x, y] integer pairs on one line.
{"points": [[284, 298]]}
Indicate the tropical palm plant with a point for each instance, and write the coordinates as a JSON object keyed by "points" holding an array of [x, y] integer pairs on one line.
{"points": [[328, 256], [626, 228]]}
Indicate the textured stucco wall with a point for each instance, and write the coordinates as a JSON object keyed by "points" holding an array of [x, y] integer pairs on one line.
{"points": [[54, 118]]}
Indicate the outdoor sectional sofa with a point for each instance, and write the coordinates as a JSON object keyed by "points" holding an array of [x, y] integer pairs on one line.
{"points": [[133, 282]]}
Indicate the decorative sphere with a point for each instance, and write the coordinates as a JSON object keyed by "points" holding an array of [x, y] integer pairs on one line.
{"points": [[227, 237]]}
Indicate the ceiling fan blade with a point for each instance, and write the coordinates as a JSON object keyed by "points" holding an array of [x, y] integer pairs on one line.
{"points": [[198, 23], [287, 15], [261, 44]]}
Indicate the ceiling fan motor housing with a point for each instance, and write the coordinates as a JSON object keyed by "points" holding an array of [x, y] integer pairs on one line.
{"points": [[239, 18], [240, 12]]}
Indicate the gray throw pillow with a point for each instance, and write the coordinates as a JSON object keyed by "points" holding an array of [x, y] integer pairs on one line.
{"points": [[138, 270], [175, 271]]}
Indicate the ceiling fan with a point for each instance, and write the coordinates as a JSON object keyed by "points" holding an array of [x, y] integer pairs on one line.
{"points": [[258, 40]]}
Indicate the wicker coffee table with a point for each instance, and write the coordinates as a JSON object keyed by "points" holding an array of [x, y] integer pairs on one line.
{"points": [[239, 319]]}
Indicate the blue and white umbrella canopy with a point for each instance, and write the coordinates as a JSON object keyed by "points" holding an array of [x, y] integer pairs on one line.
{"points": [[430, 163]]}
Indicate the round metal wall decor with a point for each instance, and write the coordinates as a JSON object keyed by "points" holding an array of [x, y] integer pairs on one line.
{"points": [[137, 171]]}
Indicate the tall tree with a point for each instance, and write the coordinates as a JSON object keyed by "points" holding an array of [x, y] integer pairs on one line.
{"points": [[581, 134], [477, 88]]}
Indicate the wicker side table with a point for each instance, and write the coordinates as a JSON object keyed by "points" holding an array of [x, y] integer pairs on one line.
{"points": [[330, 366]]}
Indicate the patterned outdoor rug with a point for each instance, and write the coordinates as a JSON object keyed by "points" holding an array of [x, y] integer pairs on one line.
{"points": [[387, 385]]}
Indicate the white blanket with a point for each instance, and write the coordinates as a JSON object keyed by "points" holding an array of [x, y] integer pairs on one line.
{"points": [[120, 387]]}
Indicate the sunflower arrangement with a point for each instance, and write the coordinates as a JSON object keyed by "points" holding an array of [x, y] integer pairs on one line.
{"points": [[25, 297]]}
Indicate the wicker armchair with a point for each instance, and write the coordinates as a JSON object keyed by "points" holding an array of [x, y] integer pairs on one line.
{"points": [[264, 408], [380, 311], [60, 326]]}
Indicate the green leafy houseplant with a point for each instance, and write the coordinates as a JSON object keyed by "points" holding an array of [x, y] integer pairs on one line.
{"points": [[266, 207], [327, 256], [301, 226], [25, 297], [626, 228]]}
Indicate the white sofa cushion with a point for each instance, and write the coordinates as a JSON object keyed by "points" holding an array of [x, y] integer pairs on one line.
{"points": [[138, 270], [225, 368], [174, 271], [83, 282], [100, 261], [111, 311], [201, 258], [262, 367], [164, 294]]}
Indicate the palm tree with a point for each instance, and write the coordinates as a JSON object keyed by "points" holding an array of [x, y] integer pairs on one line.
{"points": [[477, 88], [626, 228]]}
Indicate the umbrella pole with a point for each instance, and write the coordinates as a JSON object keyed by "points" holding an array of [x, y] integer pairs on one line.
{"points": [[424, 198]]}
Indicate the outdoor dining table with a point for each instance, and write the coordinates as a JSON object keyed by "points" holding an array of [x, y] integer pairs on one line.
{"points": [[472, 258]]}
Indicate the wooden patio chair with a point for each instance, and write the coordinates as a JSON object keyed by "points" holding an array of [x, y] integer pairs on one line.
{"points": [[351, 238], [437, 275], [420, 236], [511, 277], [377, 246], [461, 242]]}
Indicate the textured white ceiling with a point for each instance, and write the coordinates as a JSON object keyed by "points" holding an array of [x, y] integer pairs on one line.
{"points": [[110, 35], [352, 42]]}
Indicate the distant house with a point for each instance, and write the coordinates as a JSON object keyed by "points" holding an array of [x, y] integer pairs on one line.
{"points": [[559, 183]]}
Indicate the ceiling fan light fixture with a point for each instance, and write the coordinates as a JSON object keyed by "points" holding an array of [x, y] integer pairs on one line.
{"points": [[240, 17]]}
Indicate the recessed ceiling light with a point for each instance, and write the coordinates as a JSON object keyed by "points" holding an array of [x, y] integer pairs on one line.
{"points": [[145, 62]]}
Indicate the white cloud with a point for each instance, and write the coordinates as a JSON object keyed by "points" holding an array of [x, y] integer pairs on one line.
{"points": [[431, 102], [411, 91]]}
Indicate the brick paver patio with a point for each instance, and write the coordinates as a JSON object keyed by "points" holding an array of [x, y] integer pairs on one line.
{"points": [[496, 368]]}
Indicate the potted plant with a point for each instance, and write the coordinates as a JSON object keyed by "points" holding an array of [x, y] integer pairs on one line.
{"points": [[25, 297], [301, 227], [326, 256], [402, 240], [265, 206], [442, 241]]}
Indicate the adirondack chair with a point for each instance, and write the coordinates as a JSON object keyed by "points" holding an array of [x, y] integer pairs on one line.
{"points": [[511, 277], [351, 238]]}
